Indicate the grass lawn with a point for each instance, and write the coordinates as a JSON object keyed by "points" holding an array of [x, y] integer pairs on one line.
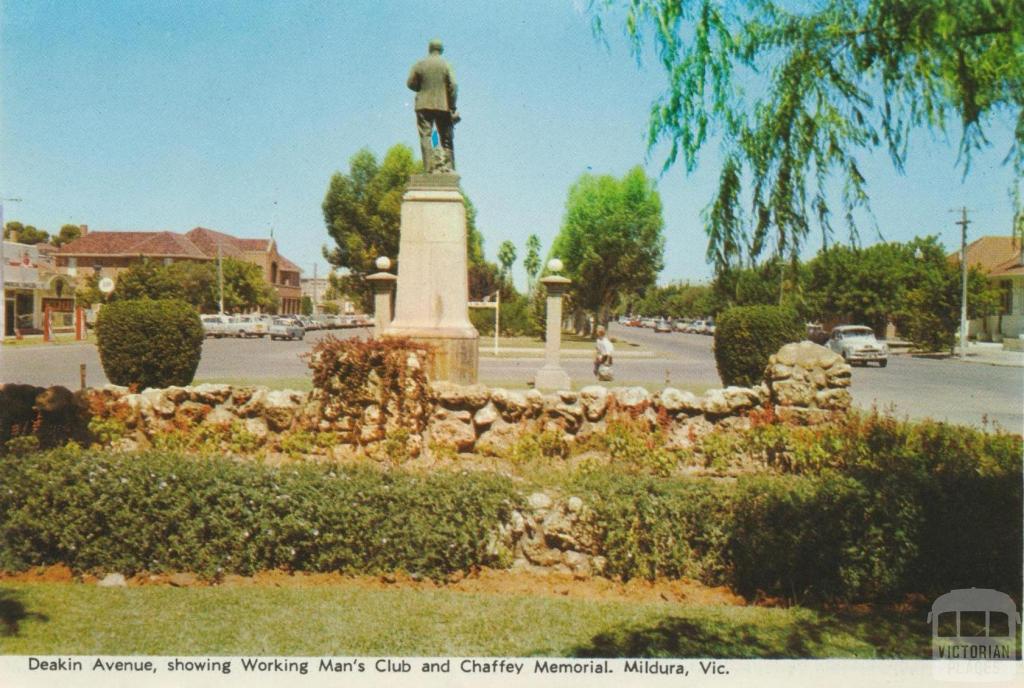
{"points": [[72, 619], [59, 340], [569, 341]]}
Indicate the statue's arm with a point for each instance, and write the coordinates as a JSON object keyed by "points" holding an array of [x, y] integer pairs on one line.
{"points": [[453, 90], [413, 82]]}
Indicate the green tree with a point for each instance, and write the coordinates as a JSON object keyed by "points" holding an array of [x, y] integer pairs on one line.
{"points": [[68, 233], [362, 211], [506, 256], [834, 79], [531, 261], [26, 234], [307, 305], [611, 239], [195, 283]]}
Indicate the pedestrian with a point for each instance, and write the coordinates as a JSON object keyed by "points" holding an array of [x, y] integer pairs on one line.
{"points": [[603, 356]]}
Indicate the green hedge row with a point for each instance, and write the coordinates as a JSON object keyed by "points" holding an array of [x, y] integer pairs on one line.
{"points": [[149, 343], [161, 512], [745, 336], [893, 508]]}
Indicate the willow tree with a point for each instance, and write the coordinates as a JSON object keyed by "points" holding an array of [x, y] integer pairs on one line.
{"points": [[796, 91]]}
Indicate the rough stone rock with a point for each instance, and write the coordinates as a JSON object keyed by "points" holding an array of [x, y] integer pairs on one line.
{"points": [[715, 403], [587, 430], [685, 434], [461, 396], [568, 397], [837, 399], [241, 395], [371, 433], [257, 427], [805, 354], [536, 551], [191, 413], [255, 404], [485, 416], [539, 501], [372, 415], [595, 400], [453, 432], [534, 402], [512, 405], [177, 395], [574, 505], [778, 371], [572, 413], [113, 580], [220, 416], [632, 398], [159, 403], [675, 401], [741, 398], [279, 409], [792, 393], [212, 394], [498, 438], [579, 563]]}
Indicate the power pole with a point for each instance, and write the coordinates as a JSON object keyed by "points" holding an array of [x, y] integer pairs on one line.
{"points": [[220, 278], [963, 222], [314, 290], [3, 283]]}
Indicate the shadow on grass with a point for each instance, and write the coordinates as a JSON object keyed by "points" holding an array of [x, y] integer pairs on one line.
{"points": [[13, 612], [876, 634]]}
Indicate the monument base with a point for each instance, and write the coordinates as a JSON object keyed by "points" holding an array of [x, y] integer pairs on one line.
{"points": [[456, 352], [552, 379]]}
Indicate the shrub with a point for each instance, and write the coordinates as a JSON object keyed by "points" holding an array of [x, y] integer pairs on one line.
{"points": [[351, 374], [163, 512], [745, 336], [149, 343]]}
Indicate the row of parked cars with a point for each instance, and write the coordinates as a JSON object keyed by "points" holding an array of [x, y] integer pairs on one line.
{"points": [[292, 327], [698, 326]]}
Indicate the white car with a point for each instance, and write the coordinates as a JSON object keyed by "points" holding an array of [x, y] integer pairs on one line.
{"points": [[216, 325], [857, 344]]}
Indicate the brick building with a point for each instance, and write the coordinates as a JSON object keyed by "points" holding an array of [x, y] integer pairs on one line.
{"points": [[114, 252]]}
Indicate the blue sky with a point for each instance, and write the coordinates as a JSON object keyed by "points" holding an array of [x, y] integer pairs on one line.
{"points": [[234, 115]]}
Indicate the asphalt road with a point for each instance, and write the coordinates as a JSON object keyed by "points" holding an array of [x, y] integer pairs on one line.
{"points": [[968, 393]]}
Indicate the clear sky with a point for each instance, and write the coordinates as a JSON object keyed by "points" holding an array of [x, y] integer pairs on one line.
{"points": [[234, 115]]}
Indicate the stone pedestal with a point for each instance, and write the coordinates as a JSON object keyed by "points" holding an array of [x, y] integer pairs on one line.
{"points": [[552, 377], [383, 286], [431, 305]]}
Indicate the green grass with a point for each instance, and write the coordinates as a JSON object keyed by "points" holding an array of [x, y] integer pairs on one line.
{"points": [[569, 341], [59, 340], [77, 619]]}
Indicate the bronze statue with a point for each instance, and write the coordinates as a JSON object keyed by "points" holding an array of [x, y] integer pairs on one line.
{"points": [[434, 82]]}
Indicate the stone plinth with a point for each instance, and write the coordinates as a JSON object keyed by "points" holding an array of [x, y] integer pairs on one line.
{"points": [[383, 287], [552, 376], [433, 285]]}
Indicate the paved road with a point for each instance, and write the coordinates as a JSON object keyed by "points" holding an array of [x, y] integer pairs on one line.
{"points": [[949, 390]]}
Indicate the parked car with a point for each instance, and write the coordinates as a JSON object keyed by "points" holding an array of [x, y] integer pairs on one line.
{"points": [[285, 328], [663, 326], [248, 326], [216, 326], [857, 344], [709, 327], [697, 327]]}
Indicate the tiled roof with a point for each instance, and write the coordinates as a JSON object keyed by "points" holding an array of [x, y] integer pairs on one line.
{"points": [[132, 244], [199, 243], [995, 255]]}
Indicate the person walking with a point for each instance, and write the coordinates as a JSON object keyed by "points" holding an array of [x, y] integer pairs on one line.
{"points": [[603, 355]]}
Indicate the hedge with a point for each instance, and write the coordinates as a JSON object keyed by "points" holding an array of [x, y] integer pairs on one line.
{"points": [[149, 343], [745, 336], [158, 512]]}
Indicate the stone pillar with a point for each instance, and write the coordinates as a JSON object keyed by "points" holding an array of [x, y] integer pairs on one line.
{"points": [[383, 286], [552, 377], [432, 301]]}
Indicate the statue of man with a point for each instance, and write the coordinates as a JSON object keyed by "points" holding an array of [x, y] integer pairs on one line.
{"points": [[434, 82]]}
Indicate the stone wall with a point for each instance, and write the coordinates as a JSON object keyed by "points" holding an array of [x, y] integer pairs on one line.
{"points": [[804, 383]]}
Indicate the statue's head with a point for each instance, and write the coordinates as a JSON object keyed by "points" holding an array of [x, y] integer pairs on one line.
{"points": [[436, 46]]}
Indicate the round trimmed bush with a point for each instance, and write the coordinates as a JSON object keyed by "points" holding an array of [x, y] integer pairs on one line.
{"points": [[149, 343], [745, 336]]}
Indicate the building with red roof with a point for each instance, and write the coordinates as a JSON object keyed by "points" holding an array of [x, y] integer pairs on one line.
{"points": [[113, 252], [1001, 259]]}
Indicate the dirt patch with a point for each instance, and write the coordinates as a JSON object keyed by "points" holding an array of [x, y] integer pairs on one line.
{"points": [[484, 581]]}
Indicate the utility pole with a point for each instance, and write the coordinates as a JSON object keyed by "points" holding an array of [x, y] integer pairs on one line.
{"points": [[220, 278], [3, 283], [963, 222], [315, 309]]}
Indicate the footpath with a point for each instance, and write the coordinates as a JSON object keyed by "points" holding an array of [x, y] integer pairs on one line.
{"points": [[987, 353]]}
